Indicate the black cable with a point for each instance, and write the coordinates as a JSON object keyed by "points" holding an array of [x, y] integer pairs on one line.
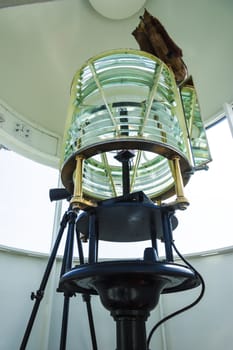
{"points": [[195, 302]]}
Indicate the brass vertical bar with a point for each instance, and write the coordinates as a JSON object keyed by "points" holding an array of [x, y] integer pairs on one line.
{"points": [[151, 97], [78, 177], [101, 90], [181, 199], [78, 201], [78, 195], [138, 158], [108, 172]]}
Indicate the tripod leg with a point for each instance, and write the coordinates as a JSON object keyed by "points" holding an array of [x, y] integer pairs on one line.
{"points": [[40, 292], [65, 317], [87, 299], [68, 253], [66, 266]]}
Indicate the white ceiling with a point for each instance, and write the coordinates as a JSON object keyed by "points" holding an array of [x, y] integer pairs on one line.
{"points": [[43, 44]]}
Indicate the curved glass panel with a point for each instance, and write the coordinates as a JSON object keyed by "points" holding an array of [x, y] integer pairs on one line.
{"points": [[126, 84], [102, 177], [125, 99], [196, 129]]}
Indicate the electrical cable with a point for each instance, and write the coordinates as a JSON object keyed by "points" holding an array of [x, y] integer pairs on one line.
{"points": [[195, 302]]}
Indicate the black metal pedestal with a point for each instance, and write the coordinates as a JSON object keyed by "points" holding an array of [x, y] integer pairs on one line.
{"points": [[130, 331], [129, 290]]}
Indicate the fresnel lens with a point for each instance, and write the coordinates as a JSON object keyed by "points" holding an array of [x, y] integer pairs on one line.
{"points": [[133, 138]]}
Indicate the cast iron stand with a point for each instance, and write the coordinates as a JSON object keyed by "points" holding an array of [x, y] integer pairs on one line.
{"points": [[129, 289]]}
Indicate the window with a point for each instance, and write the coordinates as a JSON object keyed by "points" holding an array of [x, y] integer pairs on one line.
{"points": [[26, 213], [207, 223]]}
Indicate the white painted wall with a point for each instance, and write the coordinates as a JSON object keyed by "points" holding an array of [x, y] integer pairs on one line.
{"points": [[207, 326]]}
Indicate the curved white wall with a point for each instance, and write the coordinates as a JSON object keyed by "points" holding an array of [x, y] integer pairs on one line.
{"points": [[207, 326]]}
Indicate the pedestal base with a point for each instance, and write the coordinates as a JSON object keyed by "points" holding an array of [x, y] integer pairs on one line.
{"points": [[129, 290]]}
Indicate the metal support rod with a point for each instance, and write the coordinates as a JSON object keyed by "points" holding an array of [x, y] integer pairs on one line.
{"points": [[92, 256], [167, 235], [126, 177], [80, 248], [153, 233], [124, 158]]}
